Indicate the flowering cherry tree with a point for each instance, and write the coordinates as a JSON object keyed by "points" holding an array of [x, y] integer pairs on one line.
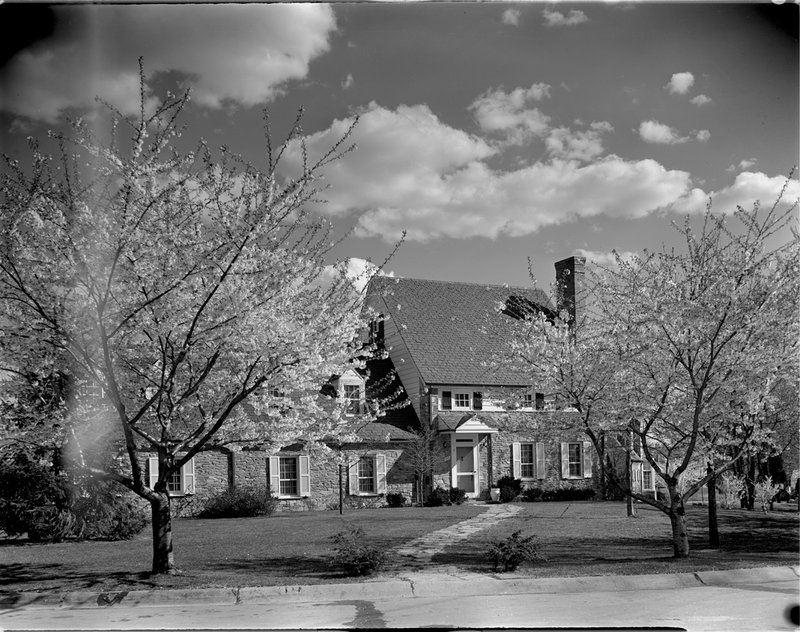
{"points": [[189, 288], [683, 350]]}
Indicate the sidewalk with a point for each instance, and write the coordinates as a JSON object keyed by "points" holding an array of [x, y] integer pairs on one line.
{"points": [[405, 586]]}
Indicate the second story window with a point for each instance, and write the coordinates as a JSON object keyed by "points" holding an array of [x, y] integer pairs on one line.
{"points": [[461, 400], [352, 394]]}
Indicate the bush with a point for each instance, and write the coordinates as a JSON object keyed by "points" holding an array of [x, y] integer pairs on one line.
{"points": [[456, 495], [356, 556], [240, 503], [44, 503], [395, 499], [510, 488], [512, 551], [437, 497]]}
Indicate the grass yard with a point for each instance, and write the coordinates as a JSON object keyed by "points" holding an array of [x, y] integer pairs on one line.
{"points": [[285, 548], [579, 538]]}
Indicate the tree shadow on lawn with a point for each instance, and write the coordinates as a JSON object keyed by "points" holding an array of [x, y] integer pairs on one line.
{"points": [[58, 577]]}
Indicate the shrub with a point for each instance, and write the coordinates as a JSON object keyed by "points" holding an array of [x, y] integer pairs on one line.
{"points": [[456, 496], [240, 503], [45, 503], [395, 499], [532, 494], [356, 556], [510, 488], [512, 551], [437, 497]]}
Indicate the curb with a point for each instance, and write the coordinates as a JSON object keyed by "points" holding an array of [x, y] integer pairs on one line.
{"points": [[413, 585]]}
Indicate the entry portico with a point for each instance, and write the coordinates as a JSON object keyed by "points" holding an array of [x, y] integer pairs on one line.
{"points": [[466, 434]]}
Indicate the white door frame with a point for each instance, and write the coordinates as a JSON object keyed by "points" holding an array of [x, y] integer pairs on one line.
{"points": [[465, 440]]}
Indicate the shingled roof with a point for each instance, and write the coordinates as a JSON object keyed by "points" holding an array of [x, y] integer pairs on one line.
{"points": [[454, 331]]}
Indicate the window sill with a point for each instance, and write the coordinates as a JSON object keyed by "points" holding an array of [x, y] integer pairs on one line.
{"points": [[366, 495]]}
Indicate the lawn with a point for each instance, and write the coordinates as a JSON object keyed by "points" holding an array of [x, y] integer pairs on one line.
{"points": [[578, 539], [293, 548]]}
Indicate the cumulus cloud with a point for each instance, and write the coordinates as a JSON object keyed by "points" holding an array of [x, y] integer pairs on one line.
{"points": [[403, 155], [240, 54], [655, 132], [348, 82], [583, 145], [680, 83], [511, 114], [747, 188], [555, 18], [511, 17], [605, 259], [701, 100], [357, 271], [743, 164], [702, 135]]}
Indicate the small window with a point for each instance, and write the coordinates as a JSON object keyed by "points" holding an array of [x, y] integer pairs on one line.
{"points": [[352, 393], [648, 480], [366, 475], [461, 400], [576, 459], [179, 483], [288, 476], [527, 460]]}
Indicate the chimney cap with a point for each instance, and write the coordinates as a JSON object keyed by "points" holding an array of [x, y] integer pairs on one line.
{"points": [[574, 259]]}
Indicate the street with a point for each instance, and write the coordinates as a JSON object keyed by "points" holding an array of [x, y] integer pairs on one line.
{"points": [[761, 606]]}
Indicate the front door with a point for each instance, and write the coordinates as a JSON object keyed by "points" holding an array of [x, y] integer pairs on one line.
{"points": [[464, 453]]}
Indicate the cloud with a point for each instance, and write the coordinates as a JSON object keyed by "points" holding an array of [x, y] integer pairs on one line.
{"points": [[743, 164], [510, 114], [680, 83], [511, 17], [358, 272], [585, 145], [701, 100], [348, 82], [402, 155], [605, 259], [655, 132], [241, 54], [703, 135], [747, 188], [554, 18]]}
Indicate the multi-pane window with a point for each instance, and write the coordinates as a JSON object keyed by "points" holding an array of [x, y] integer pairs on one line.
{"points": [[175, 482], [575, 460], [647, 478], [461, 400], [366, 475], [287, 477], [527, 460], [352, 393]]}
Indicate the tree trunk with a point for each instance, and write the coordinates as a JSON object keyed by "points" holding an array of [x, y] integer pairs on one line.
{"points": [[677, 519], [749, 499], [341, 491], [163, 559], [630, 507], [713, 525]]}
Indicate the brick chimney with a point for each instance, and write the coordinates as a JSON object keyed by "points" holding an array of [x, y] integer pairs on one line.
{"points": [[571, 288]]}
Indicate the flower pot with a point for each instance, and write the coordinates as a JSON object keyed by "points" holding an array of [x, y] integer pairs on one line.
{"points": [[494, 494]]}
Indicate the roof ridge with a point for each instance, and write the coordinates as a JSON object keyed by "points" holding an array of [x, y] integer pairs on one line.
{"points": [[504, 286]]}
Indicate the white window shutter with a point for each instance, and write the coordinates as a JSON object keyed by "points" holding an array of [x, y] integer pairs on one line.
{"points": [[188, 477], [275, 475], [152, 471], [587, 459], [380, 470], [516, 460], [540, 464], [305, 475], [564, 460], [352, 475]]}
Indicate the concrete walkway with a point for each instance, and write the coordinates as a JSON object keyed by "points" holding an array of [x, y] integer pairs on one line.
{"points": [[420, 552]]}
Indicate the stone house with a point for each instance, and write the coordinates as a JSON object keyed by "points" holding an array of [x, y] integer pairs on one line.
{"points": [[443, 341]]}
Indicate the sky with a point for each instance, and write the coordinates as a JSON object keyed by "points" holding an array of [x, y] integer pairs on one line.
{"points": [[493, 134]]}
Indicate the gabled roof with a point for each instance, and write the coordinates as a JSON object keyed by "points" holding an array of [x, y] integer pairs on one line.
{"points": [[455, 331]]}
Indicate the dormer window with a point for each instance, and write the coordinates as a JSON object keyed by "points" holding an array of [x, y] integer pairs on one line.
{"points": [[352, 391]]}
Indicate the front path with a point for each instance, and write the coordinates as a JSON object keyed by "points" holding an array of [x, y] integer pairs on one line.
{"points": [[419, 552]]}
